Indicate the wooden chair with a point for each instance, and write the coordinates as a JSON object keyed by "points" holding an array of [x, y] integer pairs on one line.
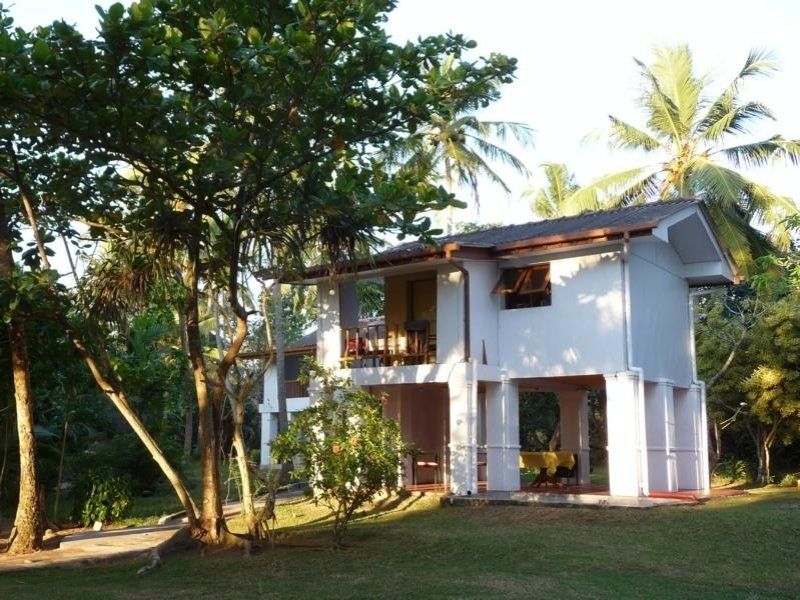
{"points": [[422, 461], [417, 342]]}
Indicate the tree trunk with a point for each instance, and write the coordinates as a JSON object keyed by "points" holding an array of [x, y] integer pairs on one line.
{"points": [[212, 521], [108, 384], [280, 370], [188, 423], [29, 522], [715, 452]]}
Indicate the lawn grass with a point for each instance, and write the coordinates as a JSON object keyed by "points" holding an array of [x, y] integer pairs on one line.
{"points": [[739, 547]]}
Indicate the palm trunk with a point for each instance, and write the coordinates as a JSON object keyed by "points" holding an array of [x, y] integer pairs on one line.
{"points": [[29, 522], [448, 177], [109, 385]]}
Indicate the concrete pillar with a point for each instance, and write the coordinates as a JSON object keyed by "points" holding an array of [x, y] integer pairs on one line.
{"points": [[463, 429], [502, 436], [627, 468], [660, 423], [329, 335], [691, 439], [269, 429], [574, 423]]}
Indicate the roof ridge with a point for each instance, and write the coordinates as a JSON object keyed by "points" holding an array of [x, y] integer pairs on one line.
{"points": [[607, 211]]}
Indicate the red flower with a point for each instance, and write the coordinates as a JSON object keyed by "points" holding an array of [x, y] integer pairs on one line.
{"points": [[336, 449]]}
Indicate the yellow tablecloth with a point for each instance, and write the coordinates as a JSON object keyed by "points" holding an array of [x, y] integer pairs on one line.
{"points": [[546, 460]]}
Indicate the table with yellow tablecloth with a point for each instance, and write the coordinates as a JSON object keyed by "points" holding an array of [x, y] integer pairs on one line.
{"points": [[549, 461]]}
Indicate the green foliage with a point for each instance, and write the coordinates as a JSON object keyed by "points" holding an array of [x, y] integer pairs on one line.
{"points": [[790, 480], [551, 200], [347, 450], [748, 350], [733, 471], [108, 499], [371, 298]]}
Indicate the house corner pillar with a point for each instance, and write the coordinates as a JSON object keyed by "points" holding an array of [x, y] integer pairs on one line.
{"points": [[660, 424], [463, 451], [691, 439], [502, 436], [627, 465]]}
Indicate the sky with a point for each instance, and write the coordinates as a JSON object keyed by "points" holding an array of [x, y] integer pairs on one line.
{"points": [[576, 67]]}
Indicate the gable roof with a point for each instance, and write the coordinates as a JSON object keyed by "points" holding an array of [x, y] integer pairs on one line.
{"points": [[637, 219], [628, 216]]}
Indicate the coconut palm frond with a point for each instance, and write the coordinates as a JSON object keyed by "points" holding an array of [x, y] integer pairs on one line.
{"points": [[726, 106], [498, 154], [521, 132], [773, 212], [609, 191], [732, 120], [758, 62], [762, 153], [550, 200], [627, 137], [719, 185], [673, 72], [733, 229]]}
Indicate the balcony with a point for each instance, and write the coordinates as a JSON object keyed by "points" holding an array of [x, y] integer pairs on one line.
{"points": [[375, 345], [296, 389]]}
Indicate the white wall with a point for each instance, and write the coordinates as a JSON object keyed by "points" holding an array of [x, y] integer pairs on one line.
{"points": [[449, 316], [660, 313], [580, 333], [484, 307]]}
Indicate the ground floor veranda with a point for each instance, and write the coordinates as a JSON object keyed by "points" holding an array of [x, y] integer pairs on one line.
{"points": [[464, 435]]}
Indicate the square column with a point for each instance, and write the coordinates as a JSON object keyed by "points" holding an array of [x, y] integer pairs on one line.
{"points": [[660, 422], [502, 436], [573, 409], [463, 468], [627, 467], [329, 333], [691, 439], [269, 429]]}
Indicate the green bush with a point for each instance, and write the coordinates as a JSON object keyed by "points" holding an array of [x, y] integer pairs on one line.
{"points": [[733, 471], [789, 480], [109, 498], [345, 446]]}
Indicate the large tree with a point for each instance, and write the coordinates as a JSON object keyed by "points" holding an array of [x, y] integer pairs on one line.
{"points": [[691, 135], [234, 125], [28, 523]]}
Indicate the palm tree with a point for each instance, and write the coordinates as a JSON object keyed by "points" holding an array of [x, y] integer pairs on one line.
{"points": [[550, 201], [688, 133], [457, 147]]}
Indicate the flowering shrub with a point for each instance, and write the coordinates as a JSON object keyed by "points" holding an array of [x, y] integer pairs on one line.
{"points": [[347, 450]]}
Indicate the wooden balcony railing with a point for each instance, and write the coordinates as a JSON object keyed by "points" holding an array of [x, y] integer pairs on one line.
{"points": [[295, 389], [377, 346]]}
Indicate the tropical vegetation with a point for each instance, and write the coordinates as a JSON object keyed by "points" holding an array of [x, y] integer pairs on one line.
{"points": [[690, 135]]}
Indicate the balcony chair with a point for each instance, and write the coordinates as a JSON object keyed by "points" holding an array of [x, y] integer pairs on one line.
{"points": [[417, 342]]}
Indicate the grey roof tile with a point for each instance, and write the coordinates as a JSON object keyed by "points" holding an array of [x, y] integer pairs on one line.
{"points": [[618, 217]]}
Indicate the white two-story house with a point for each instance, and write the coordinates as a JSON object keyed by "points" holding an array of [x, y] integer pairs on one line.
{"points": [[597, 301]]}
